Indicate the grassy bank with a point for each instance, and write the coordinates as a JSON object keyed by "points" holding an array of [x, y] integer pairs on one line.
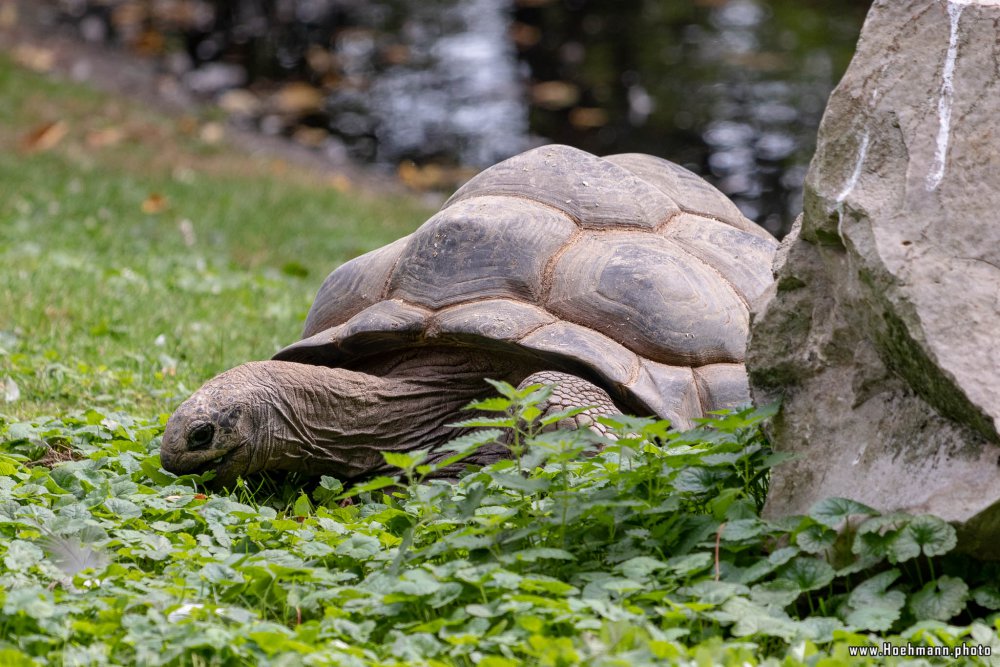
{"points": [[140, 256], [139, 259]]}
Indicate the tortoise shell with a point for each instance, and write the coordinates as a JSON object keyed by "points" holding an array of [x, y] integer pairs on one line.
{"points": [[628, 269]]}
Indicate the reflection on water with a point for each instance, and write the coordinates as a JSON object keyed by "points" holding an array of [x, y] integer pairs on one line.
{"points": [[431, 80], [459, 92], [733, 89]]}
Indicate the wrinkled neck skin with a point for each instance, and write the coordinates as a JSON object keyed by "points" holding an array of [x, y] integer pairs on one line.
{"points": [[332, 421], [280, 415]]}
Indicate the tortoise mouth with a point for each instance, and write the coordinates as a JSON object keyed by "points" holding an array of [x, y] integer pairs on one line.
{"points": [[218, 459], [226, 466], [199, 462], [224, 462]]}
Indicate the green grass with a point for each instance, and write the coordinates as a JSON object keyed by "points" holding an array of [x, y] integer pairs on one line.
{"points": [[103, 304], [651, 551]]}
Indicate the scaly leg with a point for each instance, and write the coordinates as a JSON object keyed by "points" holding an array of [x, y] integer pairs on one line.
{"points": [[570, 391]]}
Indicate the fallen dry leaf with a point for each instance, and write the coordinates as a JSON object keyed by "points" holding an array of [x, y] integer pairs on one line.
{"points": [[297, 99], [432, 176], [525, 36], [320, 60], [108, 136], [188, 125], [239, 102], [44, 137], [341, 183], [313, 137], [413, 176], [150, 43], [586, 118], [8, 15], [175, 498], [35, 58], [212, 133], [555, 94], [154, 203]]}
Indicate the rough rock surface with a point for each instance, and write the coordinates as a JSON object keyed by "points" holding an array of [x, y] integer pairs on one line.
{"points": [[882, 331]]}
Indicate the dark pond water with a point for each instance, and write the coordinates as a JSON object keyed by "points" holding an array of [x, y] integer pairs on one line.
{"points": [[733, 89]]}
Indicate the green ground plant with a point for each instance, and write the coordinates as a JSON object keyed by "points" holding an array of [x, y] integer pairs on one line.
{"points": [[647, 549]]}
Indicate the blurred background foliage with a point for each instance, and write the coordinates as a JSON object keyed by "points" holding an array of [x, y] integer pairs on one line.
{"points": [[435, 89]]}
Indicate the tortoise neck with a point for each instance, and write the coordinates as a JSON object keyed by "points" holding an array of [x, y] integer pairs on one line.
{"points": [[337, 421]]}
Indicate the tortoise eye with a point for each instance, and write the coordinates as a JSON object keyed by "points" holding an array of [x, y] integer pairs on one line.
{"points": [[201, 436]]}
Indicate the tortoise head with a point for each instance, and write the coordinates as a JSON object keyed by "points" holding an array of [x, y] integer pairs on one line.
{"points": [[224, 426], [284, 415]]}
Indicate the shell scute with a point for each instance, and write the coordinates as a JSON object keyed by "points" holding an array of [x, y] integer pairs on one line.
{"points": [[679, 313], [354, 286], [578, 343], [669, 391], [487, 247], [493, 319], [723, 386], [597, 194], [693, 193], [743, 259], [382, 326]]}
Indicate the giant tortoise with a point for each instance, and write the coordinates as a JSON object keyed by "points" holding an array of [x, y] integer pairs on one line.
{"points": [[626, 279]]}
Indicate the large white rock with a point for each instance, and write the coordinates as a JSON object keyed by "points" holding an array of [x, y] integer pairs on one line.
{"points": [[882, 331]]}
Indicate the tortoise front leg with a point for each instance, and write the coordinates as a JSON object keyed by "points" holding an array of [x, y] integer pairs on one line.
{"points": [[570, 391]]}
